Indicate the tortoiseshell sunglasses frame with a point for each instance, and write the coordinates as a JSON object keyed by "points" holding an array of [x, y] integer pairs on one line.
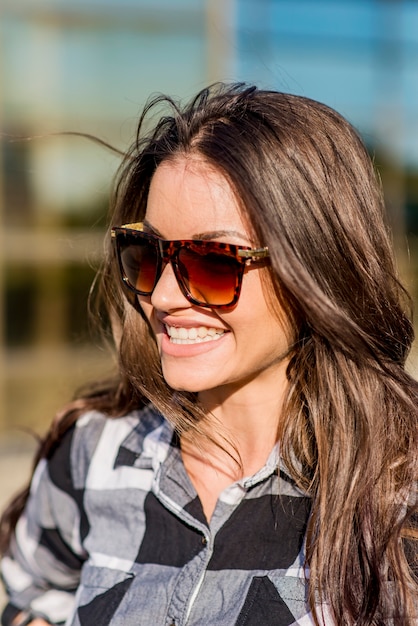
{"points": [[168, 251]]}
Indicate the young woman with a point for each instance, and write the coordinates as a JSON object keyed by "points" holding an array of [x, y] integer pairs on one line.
{"points": [[256, 460]]}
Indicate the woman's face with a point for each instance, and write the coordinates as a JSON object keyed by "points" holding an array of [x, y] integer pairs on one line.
{"points": [[244, 345]]}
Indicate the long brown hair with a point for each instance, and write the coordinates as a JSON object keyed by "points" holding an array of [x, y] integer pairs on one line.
{"points": [[349, 428]]}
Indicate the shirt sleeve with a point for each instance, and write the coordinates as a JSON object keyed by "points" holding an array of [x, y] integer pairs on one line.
{"points": [[41, 572]]}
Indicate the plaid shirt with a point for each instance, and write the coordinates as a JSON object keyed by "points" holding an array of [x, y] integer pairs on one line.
{"points": [[114, 534]]}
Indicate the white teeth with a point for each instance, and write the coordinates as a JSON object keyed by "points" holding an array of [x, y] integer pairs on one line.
{"points": [[193, 335], [182, 333]]}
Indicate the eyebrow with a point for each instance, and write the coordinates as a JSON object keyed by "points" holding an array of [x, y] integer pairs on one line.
{"points": [[207, 236]]}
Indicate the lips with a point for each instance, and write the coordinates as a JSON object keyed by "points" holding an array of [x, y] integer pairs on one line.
{"points": [[195, 334]]}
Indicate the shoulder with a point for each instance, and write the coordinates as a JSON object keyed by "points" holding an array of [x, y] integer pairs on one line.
{"points": [[99, 439], [92, 423]]}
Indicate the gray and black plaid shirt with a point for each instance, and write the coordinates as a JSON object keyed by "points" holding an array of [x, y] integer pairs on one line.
{"points": [[114, 534]]}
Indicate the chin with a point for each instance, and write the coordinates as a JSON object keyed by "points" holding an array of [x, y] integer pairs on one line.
{"points": [[188, 387], [190, 384]]}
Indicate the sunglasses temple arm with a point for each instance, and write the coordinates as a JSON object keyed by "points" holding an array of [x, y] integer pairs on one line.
{"points": [[254, 255]]}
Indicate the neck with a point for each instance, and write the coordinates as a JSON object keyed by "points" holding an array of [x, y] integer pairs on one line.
{"points": [[242, 423], [244, 418]]}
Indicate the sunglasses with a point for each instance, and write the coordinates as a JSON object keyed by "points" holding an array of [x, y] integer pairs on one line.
{"points": [[209, 273]]}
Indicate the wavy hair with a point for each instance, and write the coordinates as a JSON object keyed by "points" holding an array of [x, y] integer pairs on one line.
{"points": [[348, 434]]}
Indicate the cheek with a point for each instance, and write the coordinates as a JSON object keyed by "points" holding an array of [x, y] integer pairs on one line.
{"points": [[260, 311], [281, 314]]}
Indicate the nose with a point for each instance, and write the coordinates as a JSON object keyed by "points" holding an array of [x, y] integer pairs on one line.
{"points": [[167, 294]]}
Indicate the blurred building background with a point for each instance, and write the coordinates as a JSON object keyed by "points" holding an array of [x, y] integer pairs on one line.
{"points": [[89, 66]]}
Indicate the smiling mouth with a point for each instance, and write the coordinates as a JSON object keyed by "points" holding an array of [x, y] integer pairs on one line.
{"points": [[198, 334]]}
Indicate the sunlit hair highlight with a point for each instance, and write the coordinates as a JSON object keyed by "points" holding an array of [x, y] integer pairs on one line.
{"points": [[348, 434], [308, 188]]}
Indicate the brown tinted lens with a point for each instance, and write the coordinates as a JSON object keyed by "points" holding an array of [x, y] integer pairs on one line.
{"points": [[211, 278], [139, 260]]}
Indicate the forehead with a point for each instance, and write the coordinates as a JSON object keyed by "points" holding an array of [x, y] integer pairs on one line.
{"points": [[189, 196]]}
